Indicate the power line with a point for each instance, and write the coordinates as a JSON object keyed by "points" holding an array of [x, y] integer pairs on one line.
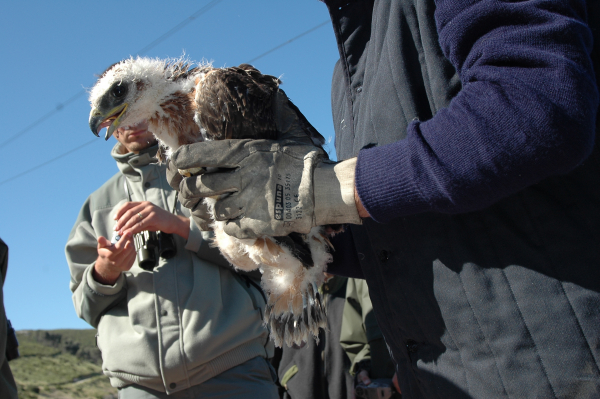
{"points": [[180, 26], [79, 94], [288, 42], [62, 105], [41, 119], [47, 162]]}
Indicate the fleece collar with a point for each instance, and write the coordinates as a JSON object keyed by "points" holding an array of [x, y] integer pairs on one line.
{"points": [[127, 163]]}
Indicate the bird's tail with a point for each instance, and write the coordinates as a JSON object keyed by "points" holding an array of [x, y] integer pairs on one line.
{"points": [[295, 314], [295, 308]]}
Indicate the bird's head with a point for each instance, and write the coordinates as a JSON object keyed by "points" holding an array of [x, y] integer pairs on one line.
{"points": [[132, 92]]}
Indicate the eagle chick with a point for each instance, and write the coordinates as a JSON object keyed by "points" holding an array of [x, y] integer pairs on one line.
{"points": [[184, 105]]}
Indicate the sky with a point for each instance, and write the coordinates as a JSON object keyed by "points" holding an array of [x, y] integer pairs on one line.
{"points": [[51, 162]]}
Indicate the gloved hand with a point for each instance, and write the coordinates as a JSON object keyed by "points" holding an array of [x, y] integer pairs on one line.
{"points": [[271, 187], [197, 207]]}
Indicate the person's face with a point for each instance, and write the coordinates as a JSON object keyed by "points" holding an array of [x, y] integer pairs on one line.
{"points": [[135, 138]]}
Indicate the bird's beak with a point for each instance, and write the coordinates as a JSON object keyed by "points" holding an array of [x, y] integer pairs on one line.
{"points": [[110, 119]]}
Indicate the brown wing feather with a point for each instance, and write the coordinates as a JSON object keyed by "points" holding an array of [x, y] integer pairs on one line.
{"points": [[315, 136], [235, 103]]}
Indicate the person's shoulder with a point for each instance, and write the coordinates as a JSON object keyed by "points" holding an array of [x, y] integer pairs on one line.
{"points": [[108, 194]]}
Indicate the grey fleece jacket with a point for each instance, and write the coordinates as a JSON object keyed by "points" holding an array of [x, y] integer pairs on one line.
{"points": [[173, 328]]}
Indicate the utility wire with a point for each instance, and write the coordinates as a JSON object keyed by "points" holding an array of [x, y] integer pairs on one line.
{"points": [[47, 162], [41, 119], [288, 42], [62, 105], [180, 26]]}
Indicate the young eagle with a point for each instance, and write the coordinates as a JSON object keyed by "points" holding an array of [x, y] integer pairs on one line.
{"points": [[183, 105]]}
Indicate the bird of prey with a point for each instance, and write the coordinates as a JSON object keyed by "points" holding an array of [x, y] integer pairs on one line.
{"points": [[185, 104]]}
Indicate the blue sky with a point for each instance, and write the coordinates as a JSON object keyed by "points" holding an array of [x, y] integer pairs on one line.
{"points": [[51, 52]]}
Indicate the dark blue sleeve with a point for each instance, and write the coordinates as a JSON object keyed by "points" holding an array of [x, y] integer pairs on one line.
{"points": [[526, 111]]}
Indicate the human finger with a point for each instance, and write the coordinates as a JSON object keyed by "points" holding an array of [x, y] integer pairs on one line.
{"points": [[153, 218], [103, 242], [125, 243], [109, 250], [124, 207], [128, 259], [133, 214]]}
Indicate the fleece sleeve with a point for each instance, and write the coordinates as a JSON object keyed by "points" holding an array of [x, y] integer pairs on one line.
{"points": [[526, 111], [91, 299]]}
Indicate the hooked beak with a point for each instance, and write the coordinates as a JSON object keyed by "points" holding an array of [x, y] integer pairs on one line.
{"points": [[110, 119]]}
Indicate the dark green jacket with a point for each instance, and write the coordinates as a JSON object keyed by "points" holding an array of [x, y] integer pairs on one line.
{"points": [[319, 370], [8, 387], [361, 336]]}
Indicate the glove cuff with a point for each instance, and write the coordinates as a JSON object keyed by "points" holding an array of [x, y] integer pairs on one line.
{"points": [[334, 193]]}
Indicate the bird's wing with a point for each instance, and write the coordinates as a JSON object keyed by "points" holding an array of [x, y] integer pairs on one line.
{"points": [[315, 136], [235, 103]]}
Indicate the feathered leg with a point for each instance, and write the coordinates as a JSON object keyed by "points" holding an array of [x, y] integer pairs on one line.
{"points": [[294, 307]]}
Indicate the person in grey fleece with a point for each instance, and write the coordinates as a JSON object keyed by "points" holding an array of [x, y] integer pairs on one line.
{"points": [[190, 328]]}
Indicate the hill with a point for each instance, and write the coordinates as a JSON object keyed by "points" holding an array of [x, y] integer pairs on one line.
{"points": [[60, 364]]}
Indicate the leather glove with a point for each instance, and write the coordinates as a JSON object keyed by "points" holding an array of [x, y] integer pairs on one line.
{"points": [[198, 208], [269, 188]]}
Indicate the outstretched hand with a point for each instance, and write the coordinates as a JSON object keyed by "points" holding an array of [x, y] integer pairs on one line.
{"points": [[113, 259], [135, 217]]}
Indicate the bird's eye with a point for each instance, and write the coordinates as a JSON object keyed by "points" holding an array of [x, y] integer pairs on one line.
{"points": [[119, 90]]}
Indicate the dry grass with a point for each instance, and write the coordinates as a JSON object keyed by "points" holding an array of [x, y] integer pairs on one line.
{"points": [[61, 364]]}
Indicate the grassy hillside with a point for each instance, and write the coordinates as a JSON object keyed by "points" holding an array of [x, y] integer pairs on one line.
{"points": [[60, 364]]}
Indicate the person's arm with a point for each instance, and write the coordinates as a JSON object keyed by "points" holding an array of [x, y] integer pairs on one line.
{"points": [[91, 298], [526, 111], [97, 265]]}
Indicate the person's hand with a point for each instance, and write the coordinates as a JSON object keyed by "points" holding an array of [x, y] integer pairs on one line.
{"points": [[363, 377], [395, 382], [196, 205], [135, 217], [268, 184], [113, 259], [269, 187]]}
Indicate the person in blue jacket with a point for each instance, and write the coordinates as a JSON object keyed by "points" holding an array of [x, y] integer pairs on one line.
{"points": [[469, 176]]}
